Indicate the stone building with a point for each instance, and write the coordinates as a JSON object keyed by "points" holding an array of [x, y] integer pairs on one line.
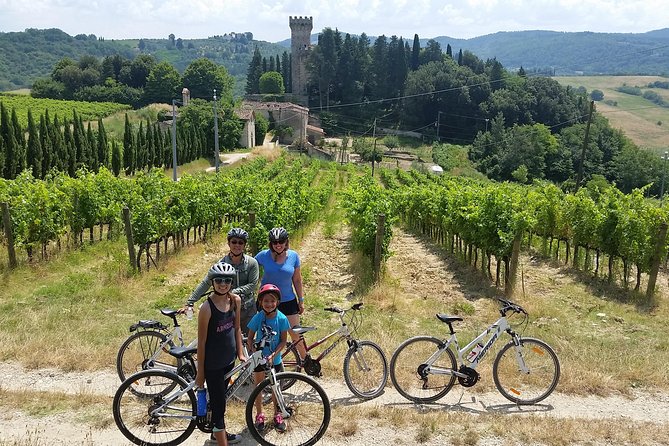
{"points": [[300, 44]]}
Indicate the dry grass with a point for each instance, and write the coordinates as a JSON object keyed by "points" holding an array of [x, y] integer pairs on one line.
{"points": [[636, 116]]}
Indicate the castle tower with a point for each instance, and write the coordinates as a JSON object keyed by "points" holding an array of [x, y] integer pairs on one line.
{"points": [[300, 42]]}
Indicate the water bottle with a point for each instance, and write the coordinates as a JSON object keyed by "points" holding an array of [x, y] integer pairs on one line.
{"points": [[189, 312], [201, 402], [475, 351]]}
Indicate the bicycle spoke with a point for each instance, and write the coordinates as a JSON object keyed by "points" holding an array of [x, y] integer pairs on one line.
{"points": [[366, 370]]}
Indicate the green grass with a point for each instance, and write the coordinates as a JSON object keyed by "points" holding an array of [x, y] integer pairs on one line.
{"points": [[639, 118]]}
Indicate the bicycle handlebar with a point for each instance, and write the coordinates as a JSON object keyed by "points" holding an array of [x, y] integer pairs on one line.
{"points": [[354, 307], [510, 306]]}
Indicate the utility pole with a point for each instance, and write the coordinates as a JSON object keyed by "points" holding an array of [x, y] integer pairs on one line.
{"points": [[438, 119], [174, 139], [585, 146], [216, 152]]}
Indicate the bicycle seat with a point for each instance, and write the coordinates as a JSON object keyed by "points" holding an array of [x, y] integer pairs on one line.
{"points": [[301, 330], [180, 352], [448, 319], [168, 312]]}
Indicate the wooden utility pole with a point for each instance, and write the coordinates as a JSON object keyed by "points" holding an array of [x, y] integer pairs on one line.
{"points": [[129, 237], [374, 148], [585, 146], [378, 244]]}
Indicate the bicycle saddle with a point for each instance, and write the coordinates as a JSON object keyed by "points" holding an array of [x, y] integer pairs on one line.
{"points": [[448, 319], [301, 330], [180, 352]]}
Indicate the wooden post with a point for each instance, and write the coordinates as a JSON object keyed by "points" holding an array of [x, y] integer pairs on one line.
{"points": [[9, 235], [656, 259], [378, 244], [130, 238], [510, 284]]}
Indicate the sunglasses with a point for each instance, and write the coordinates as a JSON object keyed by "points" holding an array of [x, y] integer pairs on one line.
{"points": [[237, 242], [223, 280], [278, 242]]}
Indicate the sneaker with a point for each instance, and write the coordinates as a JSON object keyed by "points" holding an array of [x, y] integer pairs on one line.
{"points": [[260, 421], [232, 439], [279, 424]]}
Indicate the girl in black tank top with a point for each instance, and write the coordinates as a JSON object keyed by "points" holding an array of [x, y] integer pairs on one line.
{"points": [[219, 344]]}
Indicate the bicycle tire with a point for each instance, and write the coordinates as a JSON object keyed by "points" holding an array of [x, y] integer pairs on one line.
{"points": [[526, 388], [405, 364], [365, 384], [308, 404], [138, 348], [132, 409], [292, 362]]}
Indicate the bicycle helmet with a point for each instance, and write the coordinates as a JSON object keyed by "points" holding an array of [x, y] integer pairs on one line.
{"points": [[238, 233], [278, 235], [269, 288], [222, 269]]}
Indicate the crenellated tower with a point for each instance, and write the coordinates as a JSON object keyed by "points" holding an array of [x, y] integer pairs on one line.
{"points": [[300, 43]]}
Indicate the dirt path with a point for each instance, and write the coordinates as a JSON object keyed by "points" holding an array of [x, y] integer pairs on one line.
{"points": [[422, 272]]}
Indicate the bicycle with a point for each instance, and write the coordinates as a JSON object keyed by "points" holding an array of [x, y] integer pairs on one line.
{"points": [[149, 346], [526, 370], [164, 412], [368, 375]]}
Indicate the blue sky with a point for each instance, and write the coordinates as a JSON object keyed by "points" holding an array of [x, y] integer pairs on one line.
{"points": [[268, 20]]}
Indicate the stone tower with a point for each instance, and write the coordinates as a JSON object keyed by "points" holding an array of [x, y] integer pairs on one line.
{"points": [[300, 42]]}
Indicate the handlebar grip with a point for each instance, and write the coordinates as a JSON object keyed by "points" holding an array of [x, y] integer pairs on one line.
{"points": [[333, 309]]}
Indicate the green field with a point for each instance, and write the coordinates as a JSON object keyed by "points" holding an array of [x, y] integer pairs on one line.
{"points": [[645, 123]]}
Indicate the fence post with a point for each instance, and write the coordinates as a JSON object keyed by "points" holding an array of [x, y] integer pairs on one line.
{"points": [[252, 224], [656, 259], [510, 285], [129, 237], [378, 244], [9, 235]]}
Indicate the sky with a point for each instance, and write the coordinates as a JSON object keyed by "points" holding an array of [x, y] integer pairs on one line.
{"points": [[268, 20]]}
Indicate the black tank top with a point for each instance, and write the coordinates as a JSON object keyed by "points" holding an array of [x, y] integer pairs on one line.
{"points": [[221, 348]]}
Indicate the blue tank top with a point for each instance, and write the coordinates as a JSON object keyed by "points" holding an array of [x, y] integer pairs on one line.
{"points": [[221, 349]]}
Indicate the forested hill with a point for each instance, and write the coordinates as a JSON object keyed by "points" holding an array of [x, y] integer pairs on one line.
{"points": [[32, 54], [563, 53]]}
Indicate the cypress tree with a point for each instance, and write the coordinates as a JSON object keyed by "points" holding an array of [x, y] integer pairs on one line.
{"points": [[21, 146], [150, 150], [59, 149], [116, 161], [167, 149], [460, 57], [254, 73], [271, 66], [285, 71], [45, 143], [449, 50], [264, 65], [102, 146], [34, 155], [7, 134], [278, 64], [415, 53], [128, 148], [2, 155], [68, 143], [78, 140], [92, 151], [140, 148]]}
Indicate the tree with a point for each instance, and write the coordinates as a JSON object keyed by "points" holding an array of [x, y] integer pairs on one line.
{"points": [[45, 143], [34, 148], [128, 148], [597, 95], [431, 53], [162, 84], [271, 83], [180, 44], [285, 71], [203, 76], [10, 144], [254, 72], [102, 145], [116, 160], [140, 68], [141, 45], [415, 53], [20, 153]]}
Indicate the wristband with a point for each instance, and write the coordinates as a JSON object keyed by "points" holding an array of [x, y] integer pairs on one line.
{"points": [[300, 300]]}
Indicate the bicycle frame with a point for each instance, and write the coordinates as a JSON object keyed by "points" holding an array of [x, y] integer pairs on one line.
{"points": [[492, 333], [343, 332]]}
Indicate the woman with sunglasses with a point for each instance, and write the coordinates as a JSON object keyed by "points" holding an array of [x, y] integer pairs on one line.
{"points": [[281, 267], [245, 281], [219, 344]]}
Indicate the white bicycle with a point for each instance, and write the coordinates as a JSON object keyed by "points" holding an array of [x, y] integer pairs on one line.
{"points": [[526, 370]]}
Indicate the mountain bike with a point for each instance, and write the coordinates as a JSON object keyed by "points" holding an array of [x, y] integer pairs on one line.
{"points": [[164, 410], [526, 370], [365, 365]]}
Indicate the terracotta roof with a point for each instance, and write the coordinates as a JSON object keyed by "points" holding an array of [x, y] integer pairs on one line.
{"points": [[245, 114]]}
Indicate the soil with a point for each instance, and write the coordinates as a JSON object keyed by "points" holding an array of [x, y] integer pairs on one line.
{"points": [[421, 273]]}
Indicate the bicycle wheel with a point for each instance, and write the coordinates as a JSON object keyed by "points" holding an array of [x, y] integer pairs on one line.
{"points": [[536, 381], [308, 406], [291, 363], [159, 414], [365, 369], [136, 351], [407, 369]]}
